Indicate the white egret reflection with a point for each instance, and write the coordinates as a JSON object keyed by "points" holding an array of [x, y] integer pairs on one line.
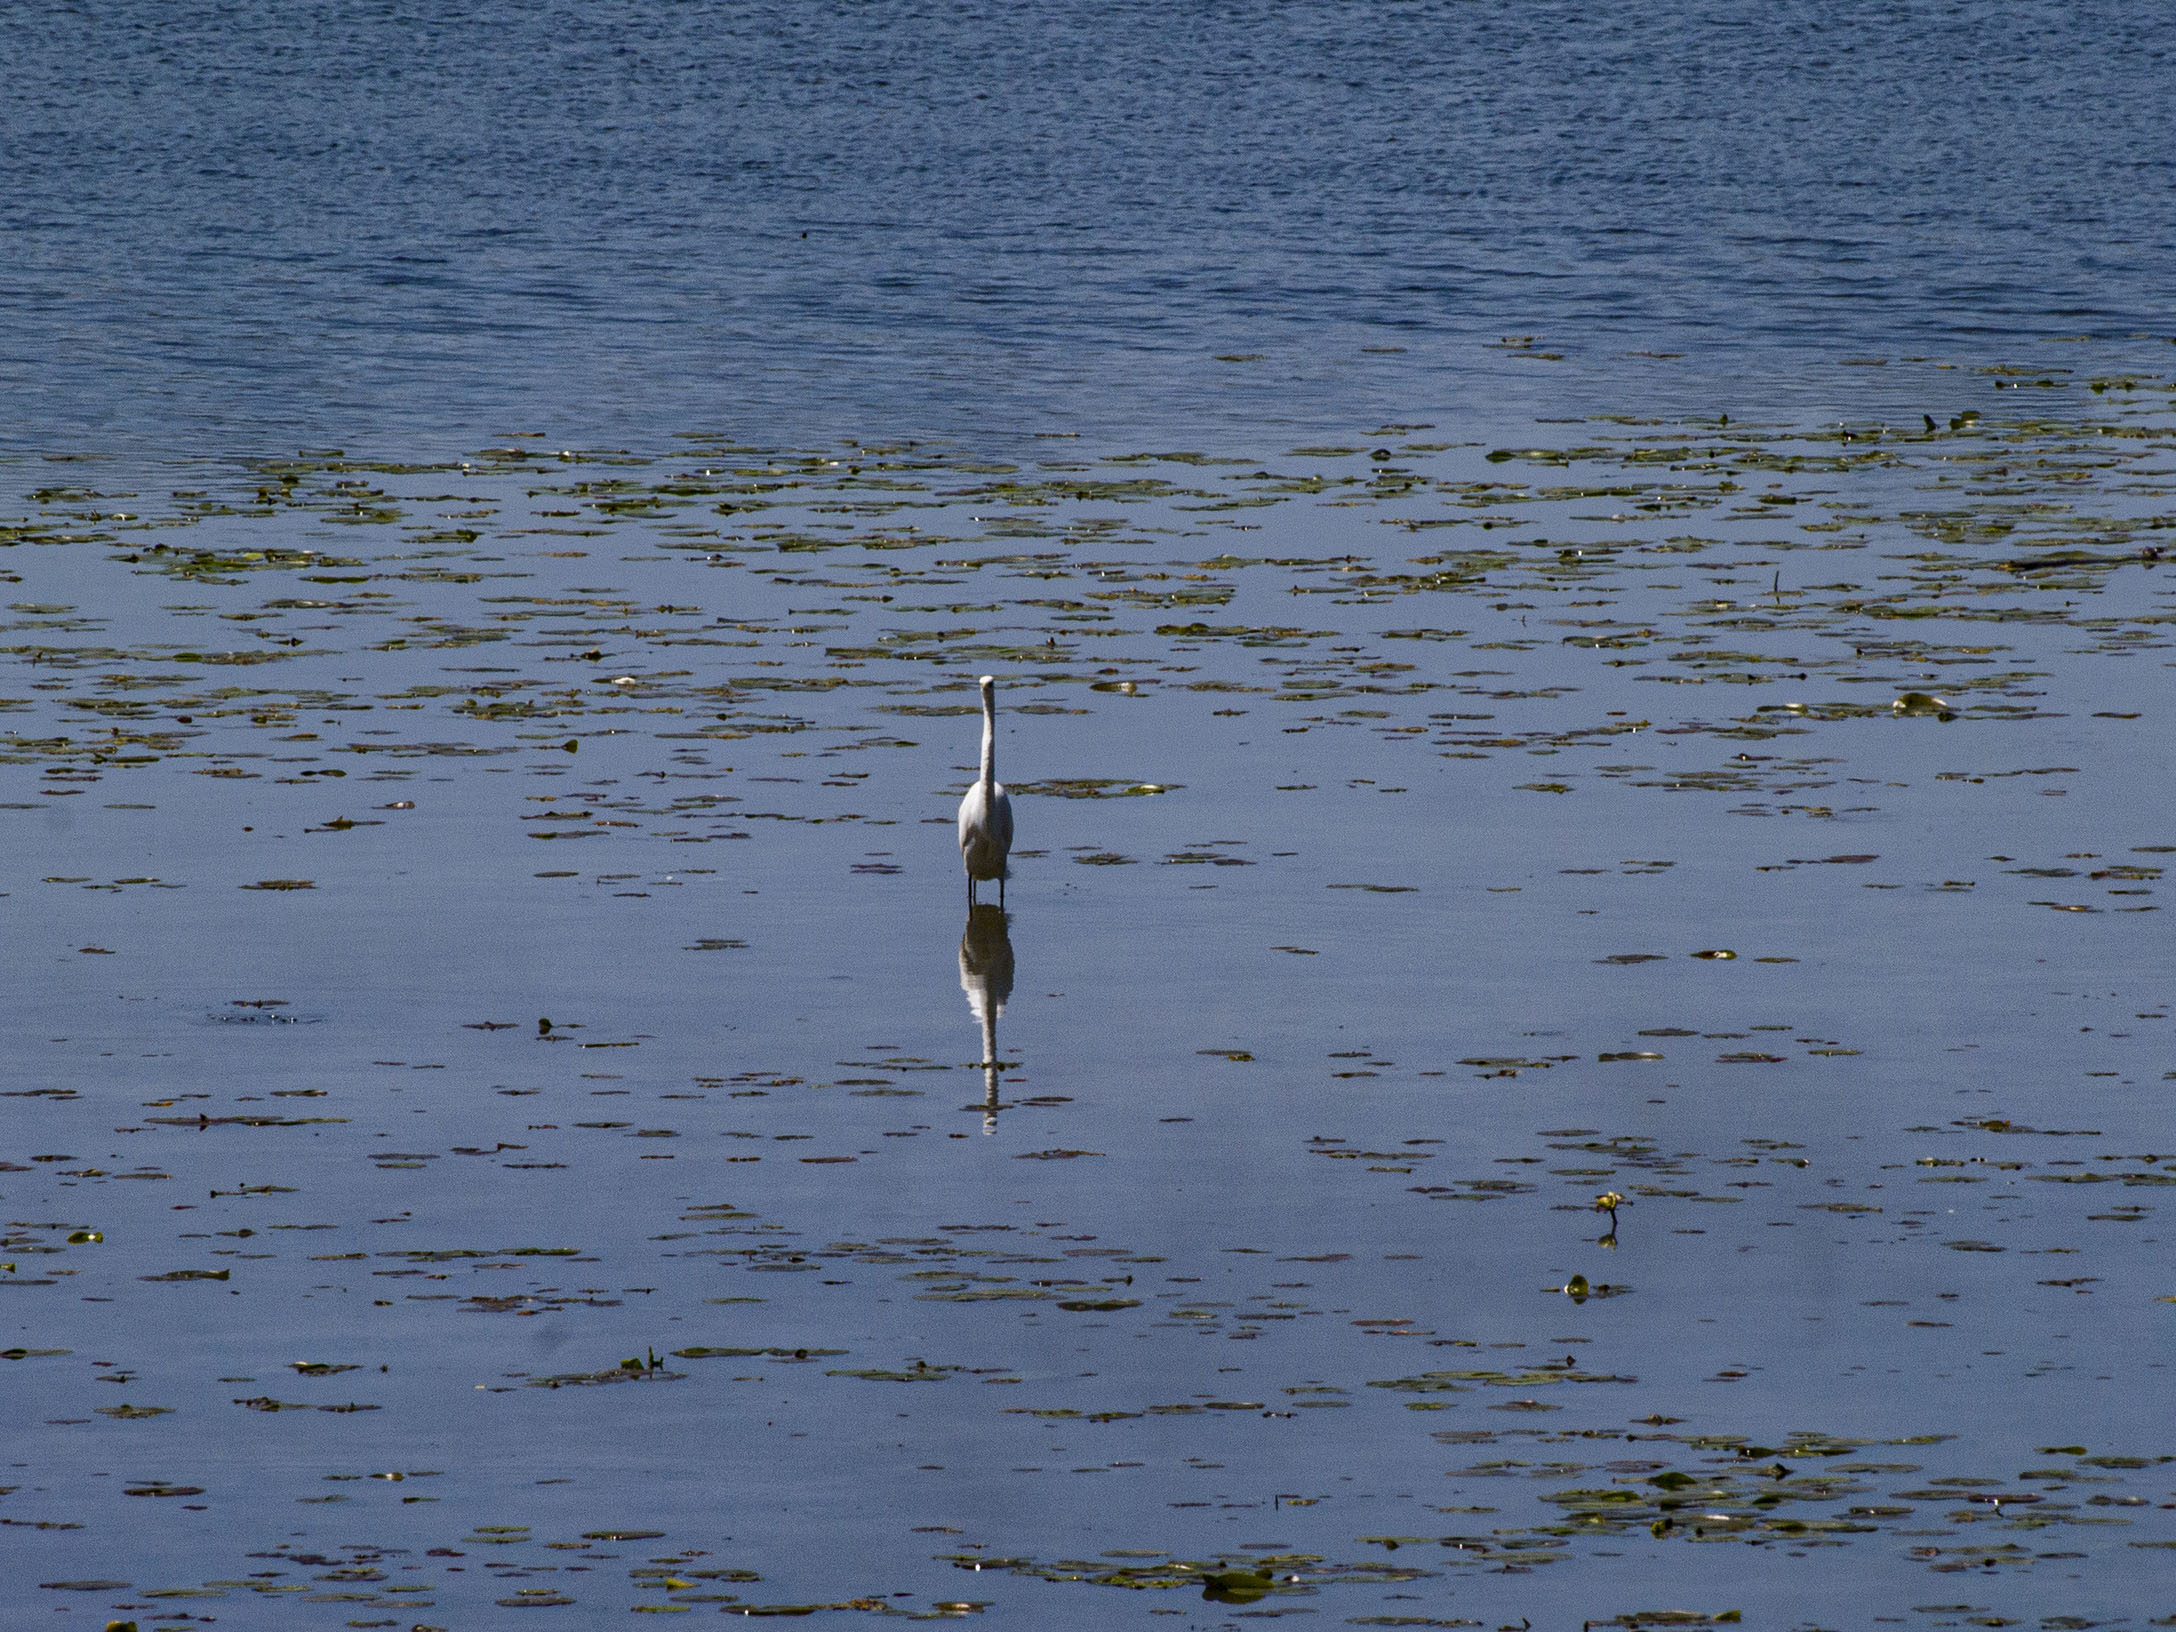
{"points": [[986, 978]]}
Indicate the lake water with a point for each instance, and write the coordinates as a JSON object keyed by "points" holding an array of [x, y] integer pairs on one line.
{"points": [[1381, 1176], [241, 229]]}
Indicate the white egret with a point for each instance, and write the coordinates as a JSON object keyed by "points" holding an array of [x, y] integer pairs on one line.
{"points": [[986, 813]]}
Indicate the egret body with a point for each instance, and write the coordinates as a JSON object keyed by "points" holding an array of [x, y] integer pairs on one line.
{"points": [[986, 814]]}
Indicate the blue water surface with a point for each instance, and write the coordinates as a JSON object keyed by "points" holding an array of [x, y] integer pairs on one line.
{"points": [[237, 227], [496, 884]]}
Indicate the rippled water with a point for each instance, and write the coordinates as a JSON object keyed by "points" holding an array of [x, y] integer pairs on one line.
{"points": [[237, 230]]}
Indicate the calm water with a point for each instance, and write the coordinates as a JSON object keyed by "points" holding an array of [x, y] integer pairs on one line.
{"points": [[510, 907], [1581, 1033]]}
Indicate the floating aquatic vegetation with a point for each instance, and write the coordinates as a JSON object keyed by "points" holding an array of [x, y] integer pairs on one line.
{"points": [[728, 661]]}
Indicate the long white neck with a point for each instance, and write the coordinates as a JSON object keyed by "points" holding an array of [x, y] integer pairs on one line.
{"points": [[989, 736]]}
